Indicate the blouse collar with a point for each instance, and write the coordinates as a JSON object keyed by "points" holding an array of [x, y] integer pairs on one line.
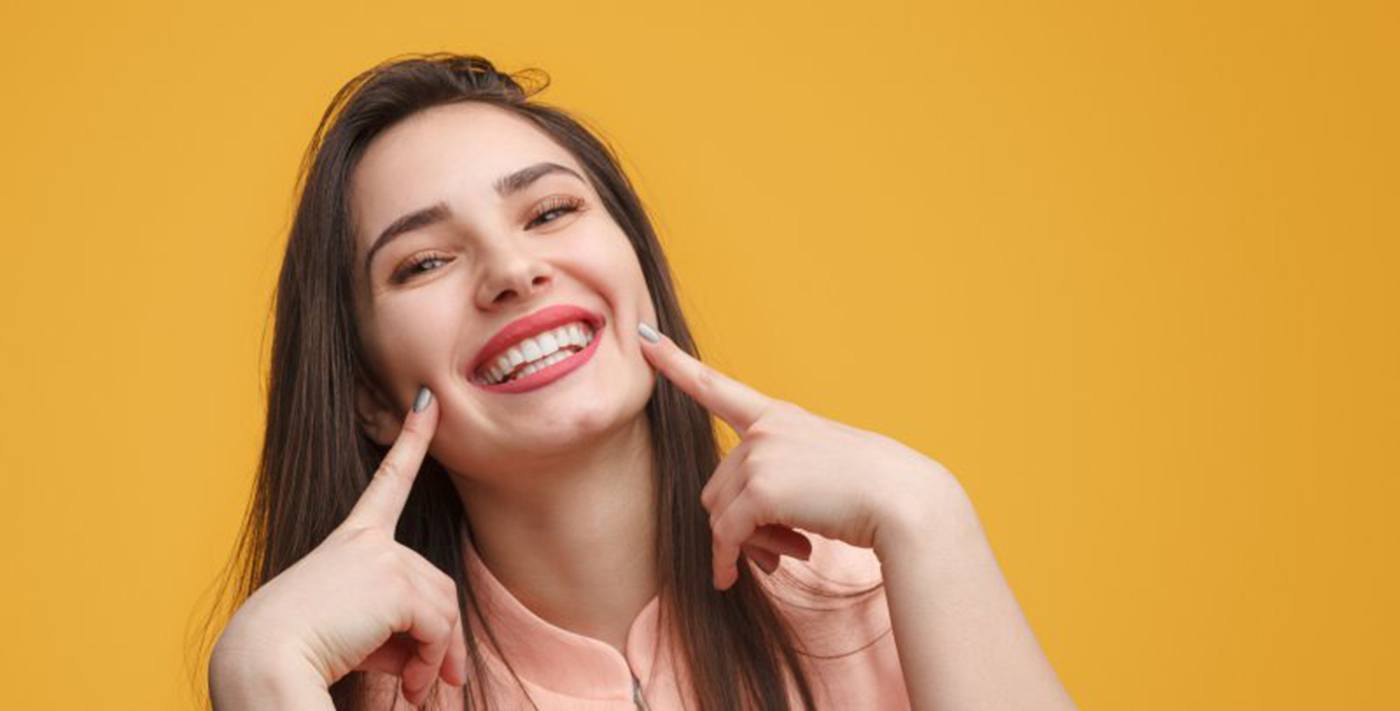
{"points": [[555, 658]]}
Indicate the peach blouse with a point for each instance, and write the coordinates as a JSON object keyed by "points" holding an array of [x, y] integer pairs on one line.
{"points": [[854, 663]]}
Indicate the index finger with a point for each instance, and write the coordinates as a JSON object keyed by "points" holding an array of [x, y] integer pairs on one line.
{"points": [[383, 500], [730, 400]]}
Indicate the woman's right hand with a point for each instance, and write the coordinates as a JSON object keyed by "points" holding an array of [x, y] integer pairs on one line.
{"points": [[359, 601]]}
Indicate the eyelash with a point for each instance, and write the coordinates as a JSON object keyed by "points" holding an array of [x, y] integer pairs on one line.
{"points": [[565, 204]]}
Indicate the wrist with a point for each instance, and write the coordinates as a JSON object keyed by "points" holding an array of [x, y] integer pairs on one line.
{"points": [[937, 516], [245, 676]]}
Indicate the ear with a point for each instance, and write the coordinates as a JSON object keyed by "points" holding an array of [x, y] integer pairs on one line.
{"points": [[379, 419]]}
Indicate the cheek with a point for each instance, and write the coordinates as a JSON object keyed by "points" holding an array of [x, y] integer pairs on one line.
{"points": [[411, 337], [618, 276]]}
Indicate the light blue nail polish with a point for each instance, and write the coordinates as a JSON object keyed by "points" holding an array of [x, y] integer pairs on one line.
{"points": [[648, 332], [424, 397]]}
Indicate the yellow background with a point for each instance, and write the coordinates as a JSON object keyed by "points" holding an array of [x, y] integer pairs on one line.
{"points": [[1130, 272]]}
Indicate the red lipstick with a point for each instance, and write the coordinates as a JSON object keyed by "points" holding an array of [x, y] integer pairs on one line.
{"points": [[538, 322]]}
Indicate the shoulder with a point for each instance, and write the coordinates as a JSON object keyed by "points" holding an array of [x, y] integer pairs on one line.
{"points": [[839, 564], [834, 568], [836, 598], [835, 602]]}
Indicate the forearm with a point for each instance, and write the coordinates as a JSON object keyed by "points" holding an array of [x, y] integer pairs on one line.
{"points": [[962, 638], [240, 680]]}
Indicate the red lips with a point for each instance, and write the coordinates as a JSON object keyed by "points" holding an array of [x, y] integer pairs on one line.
{"points": [[538, 322]]}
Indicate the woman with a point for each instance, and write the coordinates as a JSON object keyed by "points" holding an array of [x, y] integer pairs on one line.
{"points": [[448, 511]]}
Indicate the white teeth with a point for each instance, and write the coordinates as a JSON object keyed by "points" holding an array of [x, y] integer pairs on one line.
{"points": [[540, 351], [543, 363], [548, 343]]}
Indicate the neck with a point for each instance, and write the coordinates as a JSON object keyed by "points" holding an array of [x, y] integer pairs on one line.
{"points": [[573, 538]]}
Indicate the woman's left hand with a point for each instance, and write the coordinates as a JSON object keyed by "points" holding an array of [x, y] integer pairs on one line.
{"points": [[792, 468]]}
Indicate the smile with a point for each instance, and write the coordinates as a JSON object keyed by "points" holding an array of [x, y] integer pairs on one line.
{"points": [[537, 350]]}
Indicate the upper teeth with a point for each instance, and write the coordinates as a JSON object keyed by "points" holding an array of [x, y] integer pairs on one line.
{"points": [[538, 351]]}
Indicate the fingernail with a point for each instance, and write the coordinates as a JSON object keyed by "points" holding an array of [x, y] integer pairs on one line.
{"points": [[648, 332], [424, 397]]}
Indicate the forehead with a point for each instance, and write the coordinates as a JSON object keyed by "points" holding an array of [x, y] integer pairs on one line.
{"points": [[453, 153]]}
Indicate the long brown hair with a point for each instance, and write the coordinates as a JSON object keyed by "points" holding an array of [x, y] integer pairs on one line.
{"points": [[316, 460]]}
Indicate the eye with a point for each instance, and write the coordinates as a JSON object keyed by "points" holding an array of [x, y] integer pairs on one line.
{"points": [[561, 204], [555, 206], [410, 269]]}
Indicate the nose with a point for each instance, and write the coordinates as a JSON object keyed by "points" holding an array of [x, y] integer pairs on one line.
{"points": [[513, 274]]}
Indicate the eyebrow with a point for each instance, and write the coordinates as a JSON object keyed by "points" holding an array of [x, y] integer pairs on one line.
{"points": [[505, 186]]}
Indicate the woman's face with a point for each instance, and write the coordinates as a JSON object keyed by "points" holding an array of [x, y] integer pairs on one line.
{"points": [[430, 298]]}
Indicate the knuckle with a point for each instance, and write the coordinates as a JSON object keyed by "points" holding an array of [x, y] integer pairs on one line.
{"points": [[447, 586], [742, 454], [442, 621], [410, 427], [397, 584], [755, 461], [763, 426], [388, 469], [705, 376], [424, 619], [437, 615], [760, 489], [721, 534]]}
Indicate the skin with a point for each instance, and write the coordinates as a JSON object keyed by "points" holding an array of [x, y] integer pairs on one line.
{"points": [[963, 641], [538, 473], [557, 482]]}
